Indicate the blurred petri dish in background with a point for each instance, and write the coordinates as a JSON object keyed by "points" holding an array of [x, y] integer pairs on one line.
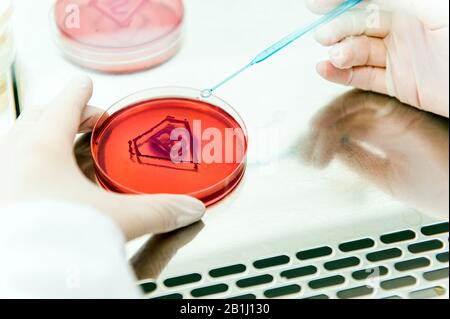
{"points": [[118, 36], [170, 141]]}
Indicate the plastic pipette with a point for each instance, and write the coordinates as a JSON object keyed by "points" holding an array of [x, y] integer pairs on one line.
{"points": [[264, 55]]}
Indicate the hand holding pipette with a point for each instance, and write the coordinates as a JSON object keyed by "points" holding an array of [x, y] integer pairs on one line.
{"points": [[267, 53], [405, 56]]}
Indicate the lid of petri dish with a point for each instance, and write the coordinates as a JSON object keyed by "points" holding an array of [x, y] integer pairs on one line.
{"points": [[170, 141], [118, 36]]}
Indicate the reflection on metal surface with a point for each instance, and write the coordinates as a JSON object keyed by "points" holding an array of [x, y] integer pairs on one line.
{"points": [[401, 149], [157, 252], [7, 103], [84, 158], [7, 53]]}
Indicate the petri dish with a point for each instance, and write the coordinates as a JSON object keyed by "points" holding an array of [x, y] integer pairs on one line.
{"points": [[118, 36], [170, 141]]}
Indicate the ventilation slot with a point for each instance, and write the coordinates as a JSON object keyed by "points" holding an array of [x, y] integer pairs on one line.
{"points": [[425, 246], [171, 296], [398, 283], [443, 258], [148, 287], [314, 253], [210, 290], [326, 282], [342, 263], [271, 262], [247, 296], [398, 237], [412, 264], [436, 274], [254, 281], [384, 255], [370, 273], [182, 280], [299, 272], [319, 297], [227, 271], [428, 293], [282, 291], [435, 229], [355, 292], [357, 245]]}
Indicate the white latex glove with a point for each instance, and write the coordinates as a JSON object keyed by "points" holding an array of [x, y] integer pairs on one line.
{"points": [[399, 48], [38, 163]]}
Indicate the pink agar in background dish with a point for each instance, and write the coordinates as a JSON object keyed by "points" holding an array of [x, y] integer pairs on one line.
{"points": [[132, 149], [119, 36]]}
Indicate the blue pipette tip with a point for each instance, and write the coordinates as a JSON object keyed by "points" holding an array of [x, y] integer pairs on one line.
{"points": [[206, 93]]}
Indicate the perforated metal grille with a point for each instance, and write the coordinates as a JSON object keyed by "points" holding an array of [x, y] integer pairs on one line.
{"points": [[410, 263]]}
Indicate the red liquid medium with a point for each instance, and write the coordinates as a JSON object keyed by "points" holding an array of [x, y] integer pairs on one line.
{"points": [[132, 149]]}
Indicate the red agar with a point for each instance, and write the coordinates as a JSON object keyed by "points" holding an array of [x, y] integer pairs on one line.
{"points": [[132, 149]]}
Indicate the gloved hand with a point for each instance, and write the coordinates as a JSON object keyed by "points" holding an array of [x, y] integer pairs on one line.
{"points": [[399, 48], [38, 163]]}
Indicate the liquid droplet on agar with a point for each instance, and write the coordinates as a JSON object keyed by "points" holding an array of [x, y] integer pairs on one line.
{"points": [[206, 93]]}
